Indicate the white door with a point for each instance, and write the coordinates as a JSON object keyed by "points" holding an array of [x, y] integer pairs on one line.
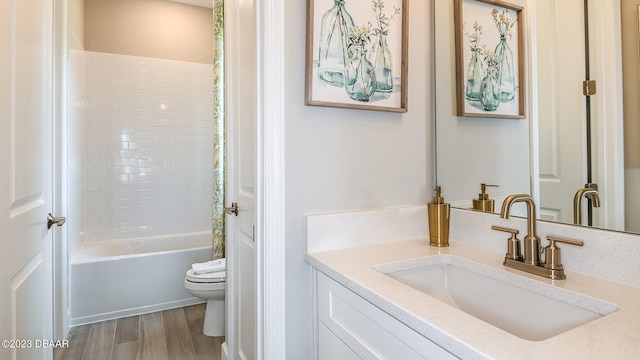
{"points": [[241, 113], [559, 44], [561, 105], [26, 302]]}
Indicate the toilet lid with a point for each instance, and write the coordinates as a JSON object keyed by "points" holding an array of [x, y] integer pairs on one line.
{"points": [[214, 277]]}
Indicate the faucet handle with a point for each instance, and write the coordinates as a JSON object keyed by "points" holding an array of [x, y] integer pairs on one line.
{"points": [[552, 252], [505, 229], [513, 243], [564, 240]]}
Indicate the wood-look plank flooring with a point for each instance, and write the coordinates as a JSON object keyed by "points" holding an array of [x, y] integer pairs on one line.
{"points": [[163, 335]]}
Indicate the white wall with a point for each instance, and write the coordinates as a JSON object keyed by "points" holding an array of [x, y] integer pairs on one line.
{"points": [[150, 28], [342, 159]]}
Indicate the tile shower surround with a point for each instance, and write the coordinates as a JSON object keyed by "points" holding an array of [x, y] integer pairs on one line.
{"points": [[147, 146], [75, 151]]}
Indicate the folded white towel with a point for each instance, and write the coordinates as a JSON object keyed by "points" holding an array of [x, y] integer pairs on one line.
{"points": [[209, 266]]}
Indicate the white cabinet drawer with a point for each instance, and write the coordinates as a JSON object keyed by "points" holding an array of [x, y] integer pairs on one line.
{"points": [[333, 348], [368, 331]]}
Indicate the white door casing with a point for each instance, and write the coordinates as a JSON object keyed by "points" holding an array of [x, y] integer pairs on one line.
{"points": [[61, 311], [605, 26], [26, 112], [271, 228]]}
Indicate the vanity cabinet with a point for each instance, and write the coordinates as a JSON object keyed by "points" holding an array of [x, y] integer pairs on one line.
{"points": [[349, 327]]}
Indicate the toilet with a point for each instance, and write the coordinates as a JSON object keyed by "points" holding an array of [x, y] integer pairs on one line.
{"points": [[210, 287]]}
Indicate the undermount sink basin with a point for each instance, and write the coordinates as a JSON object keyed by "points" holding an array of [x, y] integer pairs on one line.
{"points": [[524, 307]]}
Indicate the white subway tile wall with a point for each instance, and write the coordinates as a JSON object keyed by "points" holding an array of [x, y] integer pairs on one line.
{"points": [[75, 150], [148, 159]]}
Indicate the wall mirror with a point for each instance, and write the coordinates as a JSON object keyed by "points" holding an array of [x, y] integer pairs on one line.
{"points": [[545, 153]]}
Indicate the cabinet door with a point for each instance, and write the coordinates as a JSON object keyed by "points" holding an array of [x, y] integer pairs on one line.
{"points": [[332, 348], [370, 332]]}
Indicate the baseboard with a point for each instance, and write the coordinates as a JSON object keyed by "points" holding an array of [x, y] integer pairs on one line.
{"points": [[135, 311]]}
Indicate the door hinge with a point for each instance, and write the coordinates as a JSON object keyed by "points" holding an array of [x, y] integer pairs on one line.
{"points": [[589, 87], [591, 185]]}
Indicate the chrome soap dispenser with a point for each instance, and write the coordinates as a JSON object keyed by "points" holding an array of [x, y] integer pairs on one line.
{"points": [[483, 203], [438, 220]]}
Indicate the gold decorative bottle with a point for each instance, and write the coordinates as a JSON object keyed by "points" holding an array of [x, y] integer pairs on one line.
{"points": [[483, 203], [438, 220]]}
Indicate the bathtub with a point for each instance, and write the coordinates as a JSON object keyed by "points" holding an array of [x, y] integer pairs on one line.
{"points": [[115, 278]]}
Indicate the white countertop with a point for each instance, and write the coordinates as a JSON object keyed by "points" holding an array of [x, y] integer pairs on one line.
{"points": [[615, 336]]}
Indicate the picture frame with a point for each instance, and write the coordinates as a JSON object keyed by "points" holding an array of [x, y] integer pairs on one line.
{"points": [[490, 66], [638, 39], [342, 36]]}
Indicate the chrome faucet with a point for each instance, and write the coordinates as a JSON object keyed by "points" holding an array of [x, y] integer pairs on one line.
{"points": [[589, 192], [531, 240], [531, 263]]}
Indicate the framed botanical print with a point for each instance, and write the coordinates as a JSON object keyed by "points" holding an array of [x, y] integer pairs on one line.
{"points": [[356, 54], [490, 73]]}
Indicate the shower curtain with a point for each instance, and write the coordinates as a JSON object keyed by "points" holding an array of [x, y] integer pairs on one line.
{"points": [[219, 130]]}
